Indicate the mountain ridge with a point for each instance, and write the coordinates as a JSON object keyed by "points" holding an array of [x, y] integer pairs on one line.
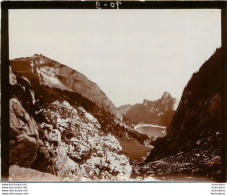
{"points": [[157, 112], [55, 74]]}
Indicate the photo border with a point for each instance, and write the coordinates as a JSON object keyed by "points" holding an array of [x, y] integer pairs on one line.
{"points": [[8, 5]]}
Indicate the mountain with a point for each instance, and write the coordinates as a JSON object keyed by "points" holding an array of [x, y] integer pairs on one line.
{"points": [[56, 128], [193, 144], [54, 74], [60, 133], [158, 112]]}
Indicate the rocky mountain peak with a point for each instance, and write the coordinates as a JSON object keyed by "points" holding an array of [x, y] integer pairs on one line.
{"points": [[158, 112], [166, 95]]}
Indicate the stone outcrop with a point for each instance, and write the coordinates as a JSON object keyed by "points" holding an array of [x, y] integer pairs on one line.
{"points": [[20, 121], [23, 135], [25, 146]]}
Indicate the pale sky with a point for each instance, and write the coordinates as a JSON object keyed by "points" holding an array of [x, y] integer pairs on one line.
{"points": [[131, 54]]}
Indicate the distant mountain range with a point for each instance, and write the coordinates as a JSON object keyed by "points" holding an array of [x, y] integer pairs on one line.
{"points": [[158, 112]]}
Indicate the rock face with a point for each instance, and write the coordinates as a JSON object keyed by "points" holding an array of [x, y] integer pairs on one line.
{"points": [[158, 112], [25, 144], [193, 141], [54, 74], [23, 134]]}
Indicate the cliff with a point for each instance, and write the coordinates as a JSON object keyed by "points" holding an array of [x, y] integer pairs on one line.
{"points": [[193, 144]]}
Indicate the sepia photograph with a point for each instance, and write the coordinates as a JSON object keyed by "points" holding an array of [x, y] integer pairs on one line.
{"points": [[101, 95]]}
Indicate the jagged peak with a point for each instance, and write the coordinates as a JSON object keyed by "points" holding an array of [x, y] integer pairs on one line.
{"points": [[166, 95]]}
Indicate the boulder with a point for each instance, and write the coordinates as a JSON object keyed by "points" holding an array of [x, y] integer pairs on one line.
{"points": [[20, 121]]}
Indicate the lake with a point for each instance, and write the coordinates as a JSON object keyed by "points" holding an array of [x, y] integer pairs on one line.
{"points": [[151, 130]]}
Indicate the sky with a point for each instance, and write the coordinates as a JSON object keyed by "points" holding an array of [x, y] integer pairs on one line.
{"points": [[131, 54]]}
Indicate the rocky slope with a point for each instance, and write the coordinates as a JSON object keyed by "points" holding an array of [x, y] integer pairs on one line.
{"points": [[54, 74], [58, 131], [68, 143], [158, 112], [193, 144]]}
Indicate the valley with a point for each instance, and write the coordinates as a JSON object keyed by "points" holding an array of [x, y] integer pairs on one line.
{"points": [[63, 127]]}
